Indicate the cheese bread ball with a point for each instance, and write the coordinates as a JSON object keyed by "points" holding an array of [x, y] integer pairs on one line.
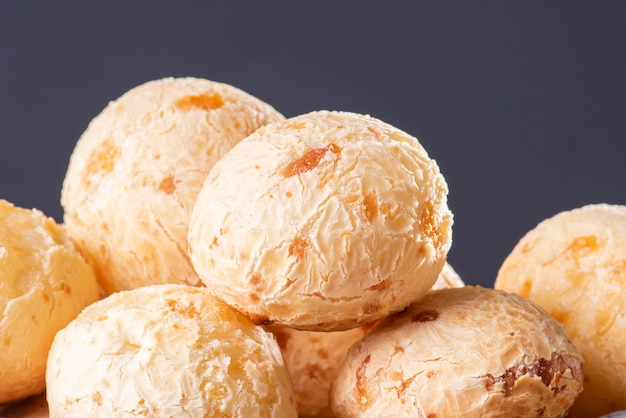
{"points": [[135, 172], [44, 284], [461, 352], [312, 357], [574, 265], [168, 350], [323, 222]]}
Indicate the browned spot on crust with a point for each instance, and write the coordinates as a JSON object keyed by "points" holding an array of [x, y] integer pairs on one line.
{"points": [[168, 185], [102, 159], [404, 386], [214, 243], [97, 398], [260, 319], [205, 102], [380, 286], [581, 247], [309, 160], [66, 288], [189, 311], [425, 316], [298, 248], [370, 207], [549, 371], [361, 382], [256, 279], [254, 297], [431, 415], [296, 126], [7, 341], [584, 244], [429, 225], [431, 373]]}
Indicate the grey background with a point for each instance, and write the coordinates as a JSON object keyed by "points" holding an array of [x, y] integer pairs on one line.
{"points": [[522, 103]]}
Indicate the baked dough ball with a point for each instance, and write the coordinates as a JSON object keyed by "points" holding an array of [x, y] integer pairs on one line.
{"points": [[44, 284], [135, 172], [574, 265], [323, 222], [463, 352], [312, 357], [168, 350]]}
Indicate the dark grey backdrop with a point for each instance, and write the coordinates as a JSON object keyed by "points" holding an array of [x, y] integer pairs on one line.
{"points": [[522, 103]]}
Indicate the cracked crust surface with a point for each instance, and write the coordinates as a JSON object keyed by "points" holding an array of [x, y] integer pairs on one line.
{"points": [[466, 352], [574, 265], [312, 357], [44, 284], [135, 172], [166, 350], [324, 221]]}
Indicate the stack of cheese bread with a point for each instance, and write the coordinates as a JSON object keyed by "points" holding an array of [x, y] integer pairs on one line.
{"points": [[218, 259]]}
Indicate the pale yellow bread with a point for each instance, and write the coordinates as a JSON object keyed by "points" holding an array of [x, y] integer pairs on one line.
{"points": [[574, 265], [312, 357], [168, 350], [44, 284], [135, 172], [324, 222], [461, 352]]}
